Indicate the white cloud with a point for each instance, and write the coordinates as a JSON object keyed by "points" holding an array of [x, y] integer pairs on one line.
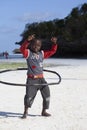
{"points": [[36, 17]]}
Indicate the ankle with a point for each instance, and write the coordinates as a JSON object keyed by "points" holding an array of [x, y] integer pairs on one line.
{"points": [[43, 110], [26, 110], [44, 113]]}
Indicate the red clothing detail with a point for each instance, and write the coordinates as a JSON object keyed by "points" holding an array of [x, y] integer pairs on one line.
{"points": [[46, 53], [50, 52], [33, 67], [35, 76], [24, 49]]}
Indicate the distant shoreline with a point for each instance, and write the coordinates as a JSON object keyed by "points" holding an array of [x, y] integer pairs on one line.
{"points": [[50, 62], [20, 56]]}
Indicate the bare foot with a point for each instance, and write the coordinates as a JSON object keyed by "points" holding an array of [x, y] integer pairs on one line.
{"points": [[45, 114]]}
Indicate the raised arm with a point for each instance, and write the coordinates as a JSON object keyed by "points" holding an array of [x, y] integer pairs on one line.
{"points": [[49, 53], [24, 46]]}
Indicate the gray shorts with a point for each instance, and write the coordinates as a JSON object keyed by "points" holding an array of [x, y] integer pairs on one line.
{"points": [[31, 91]]}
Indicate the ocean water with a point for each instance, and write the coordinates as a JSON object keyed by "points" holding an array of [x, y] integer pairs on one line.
{"points": [[53, 61], [12, 58]]}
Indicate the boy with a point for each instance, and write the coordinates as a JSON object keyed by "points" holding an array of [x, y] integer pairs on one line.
{"points": [[34, 57]]}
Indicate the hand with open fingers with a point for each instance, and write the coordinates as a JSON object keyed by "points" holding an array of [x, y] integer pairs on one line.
{"points": [[54, 40], [31, 37]]}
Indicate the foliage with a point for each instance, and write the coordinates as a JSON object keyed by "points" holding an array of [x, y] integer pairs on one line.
{"points": [[71, 32]]}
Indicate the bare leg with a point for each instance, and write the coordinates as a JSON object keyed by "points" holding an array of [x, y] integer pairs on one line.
{"points": [[25, 113]]}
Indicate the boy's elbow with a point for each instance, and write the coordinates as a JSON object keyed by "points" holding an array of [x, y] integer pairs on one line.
{"points": [[21, 49]]}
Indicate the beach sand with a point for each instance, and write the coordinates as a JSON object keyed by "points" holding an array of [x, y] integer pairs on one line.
{"points": [[68, 105]]}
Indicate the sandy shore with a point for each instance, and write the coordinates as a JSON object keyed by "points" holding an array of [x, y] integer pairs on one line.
{"points": [[68, 100]]}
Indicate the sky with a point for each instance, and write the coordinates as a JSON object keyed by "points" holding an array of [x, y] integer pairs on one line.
{"points": [[14, 15]]}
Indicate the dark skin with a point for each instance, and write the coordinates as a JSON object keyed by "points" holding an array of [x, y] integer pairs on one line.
{"points": [[35, 46], [36, 43]]}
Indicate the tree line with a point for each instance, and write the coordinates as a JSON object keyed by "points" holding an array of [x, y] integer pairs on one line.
{"points": [[70, 31]]}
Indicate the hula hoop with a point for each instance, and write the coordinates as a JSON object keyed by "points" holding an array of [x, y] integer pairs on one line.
{"points": [[15, 84]]}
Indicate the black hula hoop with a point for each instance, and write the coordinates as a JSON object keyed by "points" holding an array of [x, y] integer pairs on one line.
{"points": [[15, 84]]}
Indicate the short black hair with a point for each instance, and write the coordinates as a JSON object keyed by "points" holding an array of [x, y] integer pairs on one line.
{"points": [[34, 40]]}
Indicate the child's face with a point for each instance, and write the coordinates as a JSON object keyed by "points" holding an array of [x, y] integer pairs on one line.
{"points": [[36, 46]]}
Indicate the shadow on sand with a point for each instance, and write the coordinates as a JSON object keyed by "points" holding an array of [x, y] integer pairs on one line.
{"points": [[12, 114]]}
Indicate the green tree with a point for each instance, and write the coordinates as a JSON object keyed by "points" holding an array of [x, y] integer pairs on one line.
{"points": [[84, 8]]}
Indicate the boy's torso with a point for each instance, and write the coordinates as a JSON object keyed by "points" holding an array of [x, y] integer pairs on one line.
{"points": [[35, 63]]}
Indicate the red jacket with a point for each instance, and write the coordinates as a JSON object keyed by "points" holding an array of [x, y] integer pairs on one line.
{"points": [[46, 53]]}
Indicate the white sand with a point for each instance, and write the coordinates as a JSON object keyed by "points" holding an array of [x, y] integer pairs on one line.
{"points": [[68, 104]]}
